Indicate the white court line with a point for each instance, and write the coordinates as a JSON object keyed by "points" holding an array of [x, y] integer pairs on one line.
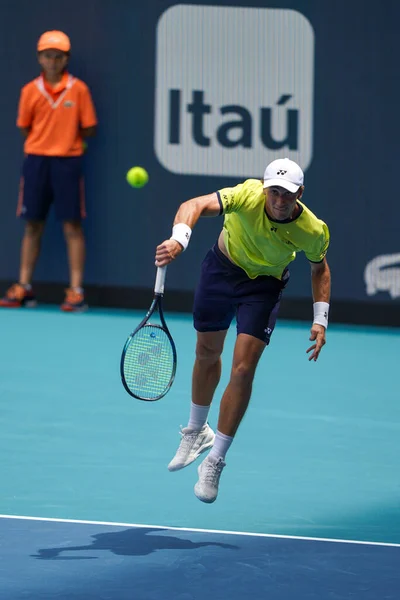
{"points": [[190, 529]]}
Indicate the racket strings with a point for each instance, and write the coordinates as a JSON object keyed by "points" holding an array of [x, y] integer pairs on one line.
{"points": [[149, 362]]}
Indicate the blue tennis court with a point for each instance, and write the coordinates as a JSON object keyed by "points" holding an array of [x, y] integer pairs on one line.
{"points": [[59, 559], [308, 504]]}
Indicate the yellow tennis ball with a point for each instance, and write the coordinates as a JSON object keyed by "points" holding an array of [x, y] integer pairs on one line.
{"points": [[137, 177]]}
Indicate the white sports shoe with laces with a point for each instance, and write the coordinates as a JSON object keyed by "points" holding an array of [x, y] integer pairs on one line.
{"points": [[193, 443], [206, 489]]}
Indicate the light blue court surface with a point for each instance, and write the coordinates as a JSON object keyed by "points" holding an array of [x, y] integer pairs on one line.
{"points": [[315, 457]]}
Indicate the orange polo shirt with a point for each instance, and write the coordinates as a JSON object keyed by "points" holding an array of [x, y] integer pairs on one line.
{"points": [[55, 115]]}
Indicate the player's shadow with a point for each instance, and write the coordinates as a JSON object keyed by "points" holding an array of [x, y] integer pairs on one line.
{"points": [[139, 541]]}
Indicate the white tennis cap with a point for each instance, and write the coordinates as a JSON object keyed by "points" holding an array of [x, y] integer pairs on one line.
{"points": [[283, 173]]}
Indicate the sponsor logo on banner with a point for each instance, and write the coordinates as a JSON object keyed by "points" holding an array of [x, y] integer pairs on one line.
{"points": [[234, 89], [382, 274]]}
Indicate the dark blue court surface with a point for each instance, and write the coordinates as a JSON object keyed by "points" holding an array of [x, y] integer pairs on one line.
{"points": [[66, 559]]}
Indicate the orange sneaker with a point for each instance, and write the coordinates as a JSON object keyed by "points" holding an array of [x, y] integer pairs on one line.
{"points": [[17, 296], [74, 301]]}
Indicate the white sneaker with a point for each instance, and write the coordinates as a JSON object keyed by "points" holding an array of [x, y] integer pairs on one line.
{"points": [[193, 443], [206, 489]]}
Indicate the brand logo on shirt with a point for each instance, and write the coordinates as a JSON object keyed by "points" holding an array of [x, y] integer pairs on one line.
{"points": [[231, 93], [68, 103]]}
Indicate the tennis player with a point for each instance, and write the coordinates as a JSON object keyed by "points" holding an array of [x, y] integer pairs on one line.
{"points": [[243, 275]]}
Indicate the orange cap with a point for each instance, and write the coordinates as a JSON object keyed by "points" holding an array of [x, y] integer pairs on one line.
{"points": [[54, 39]]}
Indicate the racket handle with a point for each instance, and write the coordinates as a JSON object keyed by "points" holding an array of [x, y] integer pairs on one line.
{"points": [[160, 280]]}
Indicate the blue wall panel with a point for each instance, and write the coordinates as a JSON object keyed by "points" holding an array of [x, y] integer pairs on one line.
{"points": [[351, 177]]}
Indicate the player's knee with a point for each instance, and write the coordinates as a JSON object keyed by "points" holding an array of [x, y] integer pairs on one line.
{"points": [[243, 371], [207, 353], [73, 230], [34, 229]]}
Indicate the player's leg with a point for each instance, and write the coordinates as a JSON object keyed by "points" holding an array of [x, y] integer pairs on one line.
{"points": [[256, 321], [75, 240], [236, 397], [67, 182], [197, 436], [256, 317], [207, 366], [33, 205], [234, 403], [30, 250], [213, 313]]}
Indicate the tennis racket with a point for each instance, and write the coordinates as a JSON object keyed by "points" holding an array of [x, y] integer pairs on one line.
{"points": [[148, 361]]}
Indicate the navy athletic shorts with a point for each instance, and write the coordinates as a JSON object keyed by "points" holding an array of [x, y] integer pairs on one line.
{"points": [[225, 291], [50, 180]]}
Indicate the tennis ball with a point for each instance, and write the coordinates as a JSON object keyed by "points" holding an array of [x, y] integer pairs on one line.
{"points": [[137, 177]]}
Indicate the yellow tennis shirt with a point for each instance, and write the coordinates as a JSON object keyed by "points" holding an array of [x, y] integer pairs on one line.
{"points": [[260, 245]]}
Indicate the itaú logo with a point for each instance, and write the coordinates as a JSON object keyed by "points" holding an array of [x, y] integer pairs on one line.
{"points": [[236, 131], [231, 93], [382, 274]]}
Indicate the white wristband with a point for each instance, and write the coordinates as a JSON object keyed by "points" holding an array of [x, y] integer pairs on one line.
{"points": [[181, 233], [321, 311]]}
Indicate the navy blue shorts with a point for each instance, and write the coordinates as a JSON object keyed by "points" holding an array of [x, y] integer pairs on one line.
{"points": [[50, 180], [225, 291]]}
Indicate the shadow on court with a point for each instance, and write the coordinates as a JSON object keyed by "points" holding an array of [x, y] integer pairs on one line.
{"points": [[129, 542]]}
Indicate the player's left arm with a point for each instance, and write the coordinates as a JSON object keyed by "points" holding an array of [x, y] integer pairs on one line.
{"points": [[25, 115], [88, 131], [321, 290]]}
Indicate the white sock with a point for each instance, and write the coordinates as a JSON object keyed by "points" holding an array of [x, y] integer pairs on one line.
{"points": [[198, 416], [26, 286], [78, 290], [221, 445]]}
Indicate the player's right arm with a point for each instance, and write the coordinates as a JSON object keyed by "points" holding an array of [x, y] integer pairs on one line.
{"points": [[24, 118], [188, 214], [25, 131]]}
